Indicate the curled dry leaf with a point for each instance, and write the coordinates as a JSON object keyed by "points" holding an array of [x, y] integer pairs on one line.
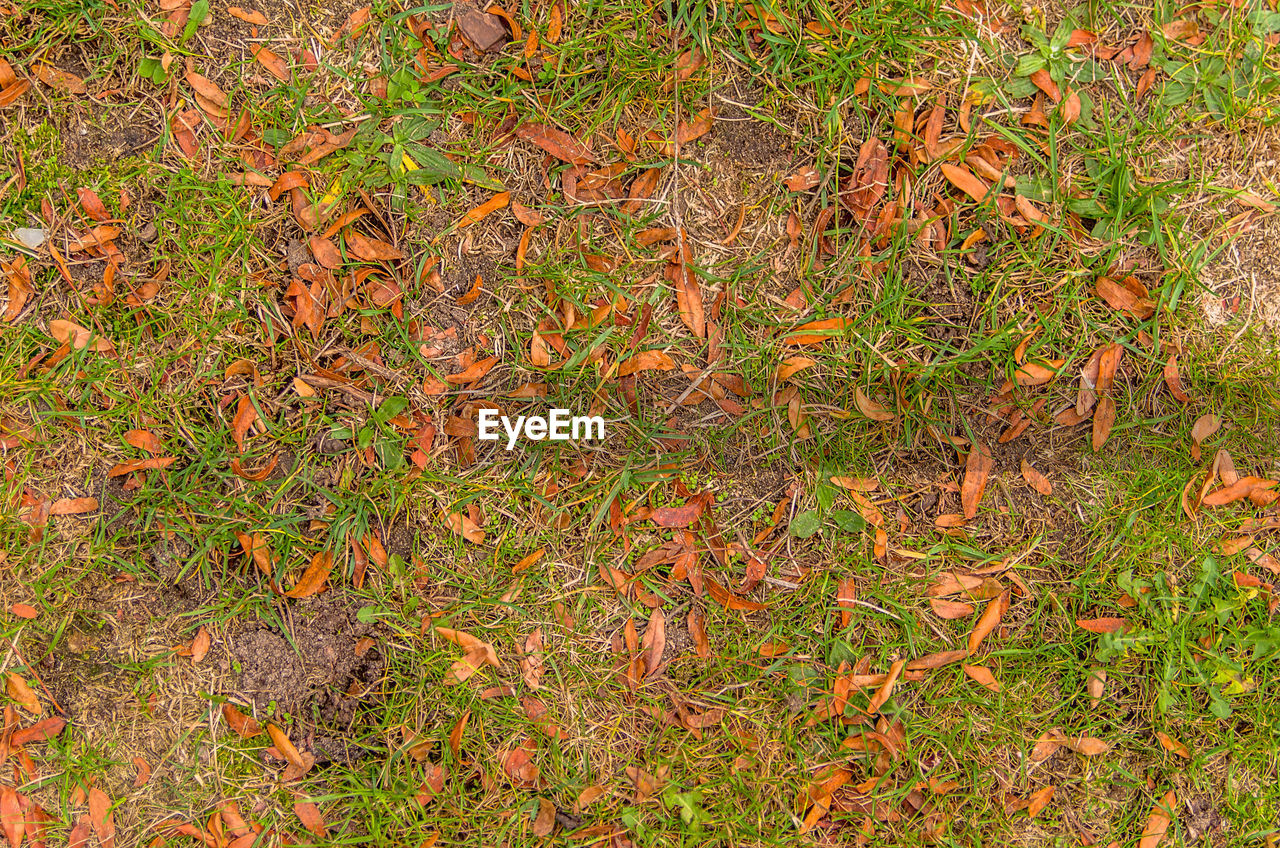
{"points": [[869, 408], [1038, 801], [1104, 417], [964, 179], [649, 360], [557, 142], [314, 578], [144, 440], [1128, 295], [479, 213], [1173, 380], [950, 609], [1206, 425], [286, 748], [80, 338], [249, 16], [46, 728]]}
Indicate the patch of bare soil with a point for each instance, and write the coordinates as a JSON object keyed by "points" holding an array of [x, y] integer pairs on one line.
{"points": [[321, 668]]}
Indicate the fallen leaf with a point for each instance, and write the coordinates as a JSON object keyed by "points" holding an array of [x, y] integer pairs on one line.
{"points": [[101, 817], [988, 621], [287, 750], [1174, 381], [1128, 295], [963, 179], [649, 360], [1035, 479], [474, 372], [26, 611], [1101, 625], [464, 527], [46, 728], [479, 213], [200, 645], [313, 579], [59, 79], [1038, 801], [144, 772], [1158, 822], [870, 408], [249, 16], [73, 506], [144, 440], [131, 466], [242, 725], [275, 64], [545, 821], [1173, 745], [208, 89], [976, 471], [309, 814], [21, 692], [950, 610], [1206, 425], [69, 332], [983, 676], [557, 142], [1104, 416]]}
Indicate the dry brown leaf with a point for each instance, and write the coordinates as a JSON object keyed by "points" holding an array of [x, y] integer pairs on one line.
{"points": [[988, 621], [69, 332], [1035, 479], [1158, 822], [309, 814], [963, 179], [1206, 425], [1038, 801], [144, 440], [479, 213], [242, 725], [1101, 625], [557, 142], [143, 772], [101, 817], [1173, 380], [200, 645], [313, 579], [869, 408], [287, 750], [982, 676], [21, 692], [464, 527], [1172, 745], [1128, 295], [1104, 417], [649, 360], [976, 471], [950, 609], [249, 16], [59, 79]]}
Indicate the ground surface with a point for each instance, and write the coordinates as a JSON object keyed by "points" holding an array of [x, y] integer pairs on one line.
{"points": [[937, 346]]}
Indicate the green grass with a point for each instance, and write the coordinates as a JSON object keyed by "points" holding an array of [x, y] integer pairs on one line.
{"points": [[931, 334]]}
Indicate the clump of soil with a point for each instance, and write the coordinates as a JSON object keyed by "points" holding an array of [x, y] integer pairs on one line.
{"points": [[324, 678]]}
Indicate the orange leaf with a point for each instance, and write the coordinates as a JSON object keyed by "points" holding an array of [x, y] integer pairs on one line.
{"points": [[249, 16], [46, 728], [950, 609], [1173, 745], [649, 360], [982, 676], [144, 440], [977, 469], [20, 691], [791, 366], [313, 579], [1173, 380], [144, 772], [557, 142], [287, 749], [272, 61], [1035, 479], [309, 815], [130, 466], [697, 128], [73, 506], [69, 332], [464, 527], [101, 817], [1101, 625], [870, 408], [963, 179], [24, 611], [59, 79], [1158, 822], [1128, 295], [479, 213], [988, 621], [370, 250], [815, 332], [207, 89], [242, 725], [1206, 425], [1039, 800], [200, 645], [1104, 416], [11, 815], [476, 371]]}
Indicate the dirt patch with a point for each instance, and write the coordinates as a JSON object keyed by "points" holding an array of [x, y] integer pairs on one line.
{"points": [[319, 668]]}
